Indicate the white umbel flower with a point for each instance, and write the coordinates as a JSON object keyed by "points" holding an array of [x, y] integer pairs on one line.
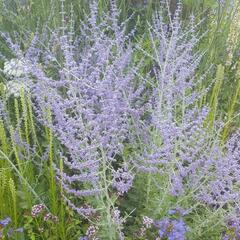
{"points": [[14, 68]]}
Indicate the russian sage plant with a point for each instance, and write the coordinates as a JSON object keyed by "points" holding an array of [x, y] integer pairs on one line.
{"points": [[182, 159], [92, 99]]}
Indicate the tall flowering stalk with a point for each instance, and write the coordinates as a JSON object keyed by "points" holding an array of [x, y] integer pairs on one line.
{"points": [[87, 84], [173, 92], [178, 146]]}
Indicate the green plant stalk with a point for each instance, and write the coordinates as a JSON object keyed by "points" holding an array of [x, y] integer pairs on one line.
{"points": [[51, 170], [5, 175], [216, 38], [62, 207], [25, 115], [107, 202], [149, 180], [27, 129], [3, 138], [215, 95], [16, 108], [15, 150], [14, 200], [31, 121], [19, 166], [231, 109], [3, 195], [21, 176], [149, 10]]}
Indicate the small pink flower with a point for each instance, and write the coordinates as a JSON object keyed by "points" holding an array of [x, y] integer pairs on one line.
{"points": [[37, 209], [50, 217]]}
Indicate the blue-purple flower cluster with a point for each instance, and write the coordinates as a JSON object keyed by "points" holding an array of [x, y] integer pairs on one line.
{"points": [[91, 101], [6, 230], [171, 229], [177, 142], [122, 180]]}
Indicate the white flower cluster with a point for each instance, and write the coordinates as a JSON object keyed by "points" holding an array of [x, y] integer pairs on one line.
{"points": [[14, 68]]}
